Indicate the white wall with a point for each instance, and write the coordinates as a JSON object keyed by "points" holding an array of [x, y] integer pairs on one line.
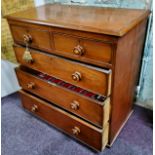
{"points": [[9, 83], [39, 2]]}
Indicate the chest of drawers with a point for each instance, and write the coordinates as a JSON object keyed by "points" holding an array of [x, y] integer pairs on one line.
{"points": [[79, 67]]}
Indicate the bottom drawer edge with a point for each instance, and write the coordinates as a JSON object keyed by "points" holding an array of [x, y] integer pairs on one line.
{"points": [[105, 136], [84, 132]]}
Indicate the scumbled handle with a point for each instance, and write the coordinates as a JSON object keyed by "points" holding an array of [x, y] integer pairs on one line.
{"points": [[76, 131], [27, 38], [34, 108], [78, 50], [31, 85], [76, 76], [75, 105]]}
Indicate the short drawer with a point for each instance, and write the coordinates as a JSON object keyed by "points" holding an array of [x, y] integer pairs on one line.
{"points": [[91, 110], [66, 122], [87, 77], [36, 36], [87, 50]]}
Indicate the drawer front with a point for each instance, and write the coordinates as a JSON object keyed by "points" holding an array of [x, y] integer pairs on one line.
{"points": [[68, 123], [39, 36], [86, 77], [91, 51], [85, 47], [77, 104]]}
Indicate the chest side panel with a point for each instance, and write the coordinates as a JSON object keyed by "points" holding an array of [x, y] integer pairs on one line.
{"points": [[127, 64]]}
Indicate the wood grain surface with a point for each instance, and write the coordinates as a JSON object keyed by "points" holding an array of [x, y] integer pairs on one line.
{"points": [[111, 21], [92, 78], [128, 57], [88, 134], [88, 109]]}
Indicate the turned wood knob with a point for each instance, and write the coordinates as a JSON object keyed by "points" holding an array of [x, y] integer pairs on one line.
{"points": [[78, 50], [76, 130], [75, 105], [31, 85], [76, 76], [34, 108], [27, 38]]}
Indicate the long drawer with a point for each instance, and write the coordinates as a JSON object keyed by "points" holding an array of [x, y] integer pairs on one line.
{"points": [[87, 77], [93, 111], [69, 124]]}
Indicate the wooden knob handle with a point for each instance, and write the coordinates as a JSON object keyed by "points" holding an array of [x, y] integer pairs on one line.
{"points": [[75, 105], [31, 85], [27, 38], [34, 108], [76, 130], [78, 50], [76, 76]]}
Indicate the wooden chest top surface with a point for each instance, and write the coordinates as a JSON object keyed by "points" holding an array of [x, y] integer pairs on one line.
{"points": [[101, 20]]}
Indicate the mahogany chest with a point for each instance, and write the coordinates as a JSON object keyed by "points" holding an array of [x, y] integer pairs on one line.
{"points": [[79, 67]]}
